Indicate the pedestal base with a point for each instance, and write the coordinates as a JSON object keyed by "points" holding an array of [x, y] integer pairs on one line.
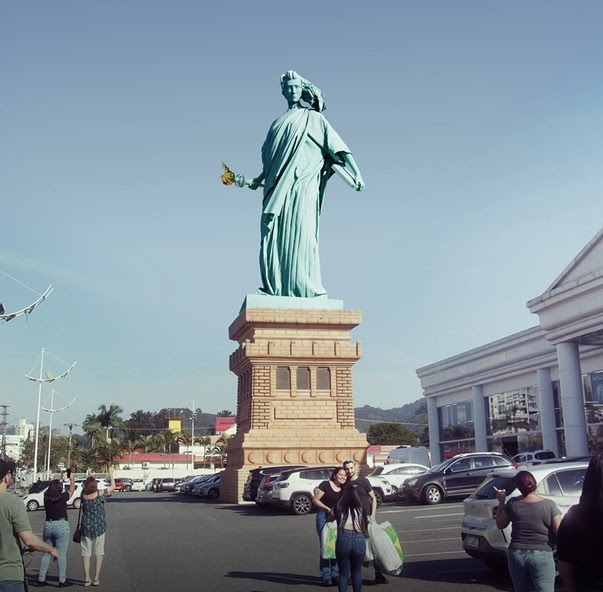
{"points": [[294, 401]]}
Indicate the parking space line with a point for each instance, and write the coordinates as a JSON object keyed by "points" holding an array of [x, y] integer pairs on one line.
{"points": [[436, 516], [431, 540], [423, 530], [460, 553]]}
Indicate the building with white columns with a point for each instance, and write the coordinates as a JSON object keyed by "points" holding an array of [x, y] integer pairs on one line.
{"points": [[540, 388]]}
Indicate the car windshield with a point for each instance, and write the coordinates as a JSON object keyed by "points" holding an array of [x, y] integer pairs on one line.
{"points": [[488, 488], [377, 471], [441, 466]]}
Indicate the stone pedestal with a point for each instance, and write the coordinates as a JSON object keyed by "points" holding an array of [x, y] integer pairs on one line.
{"points": [[294, 400]]}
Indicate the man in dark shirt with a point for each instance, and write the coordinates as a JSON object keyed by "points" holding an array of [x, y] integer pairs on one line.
{"points": [[369, 500]]}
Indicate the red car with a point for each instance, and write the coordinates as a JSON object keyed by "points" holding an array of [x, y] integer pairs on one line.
{"points": [[123, 484]]}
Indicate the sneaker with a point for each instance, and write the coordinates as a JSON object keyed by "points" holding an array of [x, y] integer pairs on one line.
{"points": [[335, 581], [381, 579], [325, 583]]}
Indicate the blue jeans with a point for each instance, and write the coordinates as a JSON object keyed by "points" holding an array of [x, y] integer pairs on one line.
{"points": [[531, 570], [328, 567], [350, 549], [56, 533]]}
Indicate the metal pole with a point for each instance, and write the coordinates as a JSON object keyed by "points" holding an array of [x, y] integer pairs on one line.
{"points": [[193, 440], [49, 433], [38, 417]]}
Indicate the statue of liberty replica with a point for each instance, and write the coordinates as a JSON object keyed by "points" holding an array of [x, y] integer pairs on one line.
{"points": [[300, 154], [295, 357]]}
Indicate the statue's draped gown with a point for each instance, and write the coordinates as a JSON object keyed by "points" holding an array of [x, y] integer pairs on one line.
{"points": [[297, 155]]}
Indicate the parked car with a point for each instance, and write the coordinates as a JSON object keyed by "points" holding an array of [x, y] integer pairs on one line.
{"points": [[382, 488], [531, 459], [187, 486], [34, 501], [211, 487], [294, 488], [409, 454], [561, 482], [137, 485], [123, 484], [397, 473], [250, 490], [455, 477], [164, 484]]}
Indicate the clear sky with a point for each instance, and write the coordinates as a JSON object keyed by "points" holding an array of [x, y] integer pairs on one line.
{"points": [[477, 127]]}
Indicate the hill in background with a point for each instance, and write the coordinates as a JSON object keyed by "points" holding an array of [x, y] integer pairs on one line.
{"points": [[412, 415]]}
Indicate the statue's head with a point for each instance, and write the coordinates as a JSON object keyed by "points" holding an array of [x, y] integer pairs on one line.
{"points": [[291, 85]]}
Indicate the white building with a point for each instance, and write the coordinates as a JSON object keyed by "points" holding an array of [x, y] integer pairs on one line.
{"points": [[540, 388], [16, 438]]}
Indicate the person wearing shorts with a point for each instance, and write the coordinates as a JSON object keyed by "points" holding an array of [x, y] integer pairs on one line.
{"points": [[94, 526]]}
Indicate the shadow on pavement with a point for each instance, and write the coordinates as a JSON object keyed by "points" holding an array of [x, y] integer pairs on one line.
{"points": [[456, 571], [287, 579]]}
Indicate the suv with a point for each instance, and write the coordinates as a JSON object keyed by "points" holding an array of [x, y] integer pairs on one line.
{"points": [[455, 477], [294, 488], [255, 476], [561, 482], [164, 484]]}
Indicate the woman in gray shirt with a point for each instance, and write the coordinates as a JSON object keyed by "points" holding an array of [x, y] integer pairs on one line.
{"points": [[533, 519]]}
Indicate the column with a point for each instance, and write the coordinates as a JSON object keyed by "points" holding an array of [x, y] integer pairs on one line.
{"points": [[479, 418], [434, 431], [572, 400], [546, 404]]}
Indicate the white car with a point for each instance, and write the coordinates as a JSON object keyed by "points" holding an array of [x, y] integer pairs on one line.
{"points": [[531, 459], [137, 484], [561, 482], [396, 473], [33, 501]]}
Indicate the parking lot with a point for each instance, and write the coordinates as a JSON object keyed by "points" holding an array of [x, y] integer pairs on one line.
{"points": [[170, 541]]}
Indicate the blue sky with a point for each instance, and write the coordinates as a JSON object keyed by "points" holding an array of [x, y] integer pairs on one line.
{"points": [[477, 127]]}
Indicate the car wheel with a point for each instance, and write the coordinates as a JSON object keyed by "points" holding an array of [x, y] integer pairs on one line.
{"points": [[379, 497], [432, 495], [301, 504], [32, 505], [77, 502], [213, 494], [128, 489]]}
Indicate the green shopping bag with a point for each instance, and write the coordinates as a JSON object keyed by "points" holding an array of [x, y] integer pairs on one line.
{"points": [[328, 540], [393, 535]]}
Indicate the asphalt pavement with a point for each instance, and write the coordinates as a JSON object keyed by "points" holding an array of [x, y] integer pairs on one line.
{"points": [[158, 542]]}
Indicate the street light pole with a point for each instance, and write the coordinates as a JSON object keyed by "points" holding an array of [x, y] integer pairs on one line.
{"points": [[193, 440]]}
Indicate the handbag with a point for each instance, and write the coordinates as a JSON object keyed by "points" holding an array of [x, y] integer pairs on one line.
{"points": [[384, 549], [77, 533]]}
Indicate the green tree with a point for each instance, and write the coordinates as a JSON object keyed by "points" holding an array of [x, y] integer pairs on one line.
{"points": [[390, 434], [225, 413]]}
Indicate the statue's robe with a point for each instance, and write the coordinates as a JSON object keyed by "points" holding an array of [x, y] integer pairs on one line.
{"points": [[297, 155]]}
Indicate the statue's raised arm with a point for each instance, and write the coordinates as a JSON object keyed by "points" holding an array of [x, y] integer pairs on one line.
{"points": [[300, 154]]}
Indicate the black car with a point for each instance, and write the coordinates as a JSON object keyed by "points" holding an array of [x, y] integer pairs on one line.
{"points": [[255, 476], [455, 477]]}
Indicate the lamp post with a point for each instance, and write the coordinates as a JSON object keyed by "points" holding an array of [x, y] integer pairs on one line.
{"points": [[41, 379], [51, 411]]}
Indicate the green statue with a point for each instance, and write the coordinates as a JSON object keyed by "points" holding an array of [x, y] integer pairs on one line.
{"points": [[300, 154]]}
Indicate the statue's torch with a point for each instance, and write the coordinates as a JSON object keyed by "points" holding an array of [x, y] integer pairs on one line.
{"points": [[229, 177]]}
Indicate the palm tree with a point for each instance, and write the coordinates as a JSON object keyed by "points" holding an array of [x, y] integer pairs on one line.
{"points": [[220, 448], [205, 441]]}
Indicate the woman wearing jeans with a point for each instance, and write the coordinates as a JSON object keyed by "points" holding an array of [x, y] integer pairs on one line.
{"points": [[533, 518], [326, 496], [352, 532], [56, 529]]}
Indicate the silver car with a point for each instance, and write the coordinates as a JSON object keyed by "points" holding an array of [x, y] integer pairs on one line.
{"points": [[561, 482]]}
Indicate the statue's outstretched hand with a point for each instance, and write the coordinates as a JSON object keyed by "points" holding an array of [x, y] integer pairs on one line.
{"points": [[255, 183]]}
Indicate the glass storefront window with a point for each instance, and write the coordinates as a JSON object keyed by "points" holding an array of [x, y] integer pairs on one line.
{"points": [[594, 433], [450, 449], [456, 421], [513, 412]]}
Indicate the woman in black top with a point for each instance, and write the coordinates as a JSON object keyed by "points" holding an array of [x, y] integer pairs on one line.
{"points": [[580, 538], [326, 496], [56, 528]]}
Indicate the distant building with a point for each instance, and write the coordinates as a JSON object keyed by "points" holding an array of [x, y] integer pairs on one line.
{"points": [[16, 436], [539, 388], [225, 425]]}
